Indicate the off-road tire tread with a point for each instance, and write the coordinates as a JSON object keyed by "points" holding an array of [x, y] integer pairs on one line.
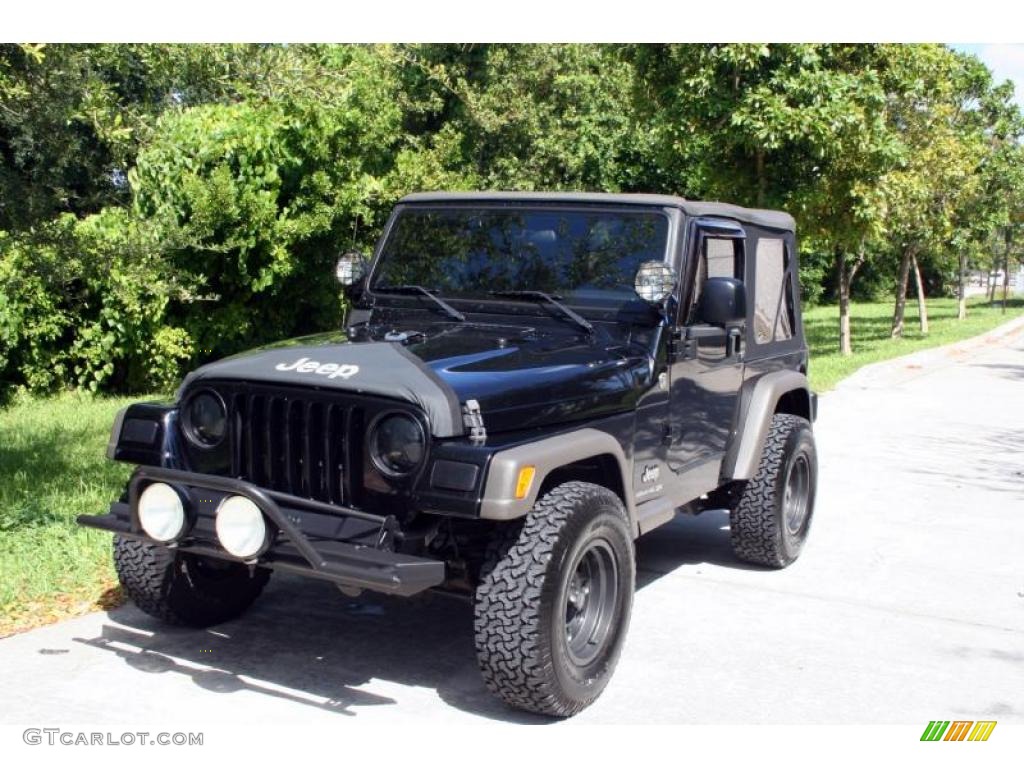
{"points": [[153, 578], [753, 522], [513, 662]]}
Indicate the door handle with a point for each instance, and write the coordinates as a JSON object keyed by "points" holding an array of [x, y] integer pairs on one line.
{"points": [[734, 344], [685, 341]]}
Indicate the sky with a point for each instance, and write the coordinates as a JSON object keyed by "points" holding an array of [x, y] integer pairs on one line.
{"points": [[1005, 60]]}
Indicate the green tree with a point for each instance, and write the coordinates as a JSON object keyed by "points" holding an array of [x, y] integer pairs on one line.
{"points": [[515, 117], [929, 111], [800, 127]]}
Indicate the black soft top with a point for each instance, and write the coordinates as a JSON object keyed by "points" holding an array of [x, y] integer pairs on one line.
{"points": [[770, 219]]}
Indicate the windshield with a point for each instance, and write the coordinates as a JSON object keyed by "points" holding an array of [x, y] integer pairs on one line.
{"points": [[584, 257]]}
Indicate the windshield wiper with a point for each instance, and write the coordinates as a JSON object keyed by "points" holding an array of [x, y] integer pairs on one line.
{"points": [[414, 290], [581, 321]]}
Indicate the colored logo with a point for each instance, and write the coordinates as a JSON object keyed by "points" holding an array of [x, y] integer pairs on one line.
{"points": [[958, 730]]}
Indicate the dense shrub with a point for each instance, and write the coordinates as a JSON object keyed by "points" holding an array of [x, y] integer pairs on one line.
{"points": [[85, 305], [238, 213], [255, 200]]}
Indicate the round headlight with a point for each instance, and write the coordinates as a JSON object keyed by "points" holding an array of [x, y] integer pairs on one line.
{"points": [[206, 419], [161, 512], [397, 444], [241, 528]]}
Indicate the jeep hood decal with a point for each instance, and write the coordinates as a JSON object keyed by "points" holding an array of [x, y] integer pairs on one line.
{"points": [[375, 368]]}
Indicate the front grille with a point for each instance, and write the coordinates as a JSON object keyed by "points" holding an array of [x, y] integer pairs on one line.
{"points": [[295, 444]]}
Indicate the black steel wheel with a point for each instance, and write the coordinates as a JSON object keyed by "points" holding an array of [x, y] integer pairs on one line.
{"points": [[796, 498], [590, 599], [553, 603]]}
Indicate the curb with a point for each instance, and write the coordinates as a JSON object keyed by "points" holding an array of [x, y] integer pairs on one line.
{"points": [[897, 370]]}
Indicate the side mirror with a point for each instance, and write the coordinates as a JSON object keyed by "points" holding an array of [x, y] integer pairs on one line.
{"points": [[723, 301], [351, 268], [655, 281]]}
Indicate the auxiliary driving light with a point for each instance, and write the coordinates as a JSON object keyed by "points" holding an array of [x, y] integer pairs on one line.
{"points": [[161, 512], [241, 528]]}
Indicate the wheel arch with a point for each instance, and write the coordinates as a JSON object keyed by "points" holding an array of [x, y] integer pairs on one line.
{"points": [[796, 402], [601, 469], [776, 392], [584, 454]]}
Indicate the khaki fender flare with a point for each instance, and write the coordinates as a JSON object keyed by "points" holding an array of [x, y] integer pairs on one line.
{"points": [[744, 455], [499, 501]]}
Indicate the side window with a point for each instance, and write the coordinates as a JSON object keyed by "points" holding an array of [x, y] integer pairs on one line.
{"points": [[719, 257], [773, 304]]}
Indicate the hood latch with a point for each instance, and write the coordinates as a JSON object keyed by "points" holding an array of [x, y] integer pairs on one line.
{"points": [[405, 337], [473, 420]]}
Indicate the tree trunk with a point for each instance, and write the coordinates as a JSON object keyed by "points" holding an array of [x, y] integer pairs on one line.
{"points": [[993, 281], [761, 181], [961, 309], [845, 345], [922, 310], [901, 293], [846, 275], [1006, 268]]}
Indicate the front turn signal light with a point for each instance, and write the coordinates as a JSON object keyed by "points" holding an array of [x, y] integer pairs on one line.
{"points": [[524, 481]]}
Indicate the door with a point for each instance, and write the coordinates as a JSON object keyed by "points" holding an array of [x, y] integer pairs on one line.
{"points": [[706, 368]]}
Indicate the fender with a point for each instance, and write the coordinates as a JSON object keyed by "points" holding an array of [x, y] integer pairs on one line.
{"points": [[499, 500], [744, 454]]}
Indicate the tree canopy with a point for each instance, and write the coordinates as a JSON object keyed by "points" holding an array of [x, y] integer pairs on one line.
{"points": [[164, 204]]}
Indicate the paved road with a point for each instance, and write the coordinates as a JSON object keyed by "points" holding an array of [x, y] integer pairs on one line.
{"points": [[908, 604]]}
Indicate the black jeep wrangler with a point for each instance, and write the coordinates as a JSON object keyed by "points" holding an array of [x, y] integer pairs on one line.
{"points": [[524, 385]]}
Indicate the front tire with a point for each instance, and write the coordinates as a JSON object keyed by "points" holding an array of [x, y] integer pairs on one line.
{"points": [[554, 599], [769, 525], [184, 589]]}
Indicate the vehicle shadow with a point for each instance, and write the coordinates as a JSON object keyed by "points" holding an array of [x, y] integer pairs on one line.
{"points": [[687, 540], [305, 642], [1004, 370]]}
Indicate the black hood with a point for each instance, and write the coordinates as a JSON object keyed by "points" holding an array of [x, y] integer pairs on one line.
{"points": [[522, 377]]}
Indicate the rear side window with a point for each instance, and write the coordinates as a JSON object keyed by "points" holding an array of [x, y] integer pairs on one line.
{"points": [[773, 302]]}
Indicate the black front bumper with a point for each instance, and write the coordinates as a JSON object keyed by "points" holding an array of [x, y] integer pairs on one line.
{"points": [[346, 546]]}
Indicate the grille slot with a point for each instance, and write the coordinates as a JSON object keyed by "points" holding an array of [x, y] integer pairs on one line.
{"points": [[289, 443]]}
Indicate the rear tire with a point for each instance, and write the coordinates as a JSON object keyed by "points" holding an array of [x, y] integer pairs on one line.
{"points": [[769, 525], [185, 589], [553, 603]]}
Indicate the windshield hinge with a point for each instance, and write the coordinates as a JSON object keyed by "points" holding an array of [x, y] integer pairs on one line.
{"points": [[473, 420]]}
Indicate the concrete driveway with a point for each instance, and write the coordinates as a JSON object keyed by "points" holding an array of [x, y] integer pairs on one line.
{"points": [[907, 605]]}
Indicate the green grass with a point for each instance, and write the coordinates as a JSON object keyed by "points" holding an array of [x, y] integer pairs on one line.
{"points": [[870, 324], [52, 468], [52, 464]]}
